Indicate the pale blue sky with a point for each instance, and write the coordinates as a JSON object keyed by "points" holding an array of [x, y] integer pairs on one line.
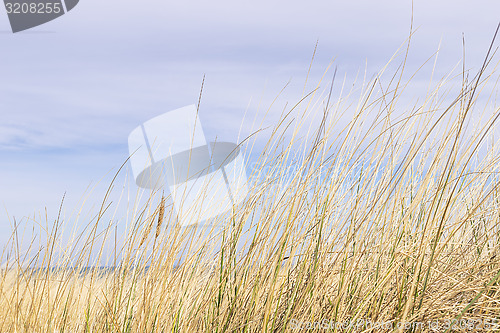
{"points": [[72, 89]]}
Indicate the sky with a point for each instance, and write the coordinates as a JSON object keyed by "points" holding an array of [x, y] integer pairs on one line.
{"points": [[73, 89]]}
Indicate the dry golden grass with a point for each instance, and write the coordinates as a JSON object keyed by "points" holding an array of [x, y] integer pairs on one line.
{"points": [[389, 221]]}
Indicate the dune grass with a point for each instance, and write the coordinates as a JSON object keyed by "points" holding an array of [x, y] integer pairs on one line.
{"points": [[387, 221]]}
